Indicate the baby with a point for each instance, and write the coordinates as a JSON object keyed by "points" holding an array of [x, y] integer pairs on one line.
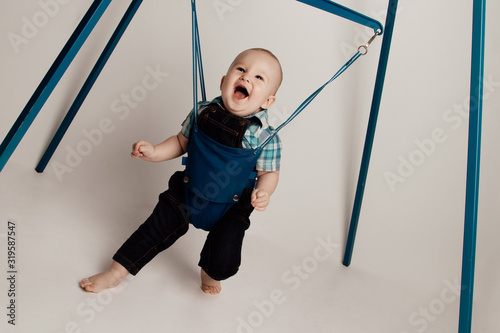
{"points": [[238, 118]]}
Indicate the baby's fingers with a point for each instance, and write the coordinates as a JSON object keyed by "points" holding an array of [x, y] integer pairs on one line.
{"points": [[260, 200], [260, 206], [138, 148], [254, 195], [135, 152]]}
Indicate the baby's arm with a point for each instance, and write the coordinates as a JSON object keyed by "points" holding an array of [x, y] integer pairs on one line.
{"points": [[267, 181], [171, 148]]}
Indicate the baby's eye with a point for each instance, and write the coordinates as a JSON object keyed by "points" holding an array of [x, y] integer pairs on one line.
{"points": [[258, 77], [240, 69]]}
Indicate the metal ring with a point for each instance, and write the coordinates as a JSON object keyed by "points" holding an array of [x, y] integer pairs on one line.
{"points": [[363, 47]]}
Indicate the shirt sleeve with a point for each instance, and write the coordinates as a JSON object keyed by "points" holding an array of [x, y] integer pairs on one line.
{"points": [[270, 157], [187, 124]]}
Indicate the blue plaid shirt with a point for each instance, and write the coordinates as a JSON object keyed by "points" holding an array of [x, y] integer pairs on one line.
{"points": [[269, 159]]}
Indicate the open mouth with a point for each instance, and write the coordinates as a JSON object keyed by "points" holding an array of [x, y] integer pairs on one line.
{"points": [[241, 92]]}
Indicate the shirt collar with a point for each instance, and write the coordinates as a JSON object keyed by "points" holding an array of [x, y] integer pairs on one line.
{"points": [[261, 117]]}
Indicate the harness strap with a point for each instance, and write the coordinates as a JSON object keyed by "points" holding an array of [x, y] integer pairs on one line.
{"points": [[197, 62], [307, 101]]}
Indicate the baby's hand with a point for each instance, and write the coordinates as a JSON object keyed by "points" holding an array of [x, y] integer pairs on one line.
{"points": [[260, 199], [142, 149]]}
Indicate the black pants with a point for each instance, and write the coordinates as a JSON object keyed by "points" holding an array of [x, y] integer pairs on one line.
{"points": [[221, 255]]}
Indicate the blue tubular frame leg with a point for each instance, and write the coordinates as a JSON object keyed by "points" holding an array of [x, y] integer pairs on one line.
{"points": [[372, 123], [51, 79], [84, 91], [473, 166], [347, 13]]}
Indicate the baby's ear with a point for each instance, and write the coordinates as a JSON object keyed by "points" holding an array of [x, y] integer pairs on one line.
{"points": [[269, 101], [222, 81]]}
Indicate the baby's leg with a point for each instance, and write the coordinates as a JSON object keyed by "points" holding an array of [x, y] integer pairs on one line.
{"points": [[209, 285], [108, 279], [221, 254]]}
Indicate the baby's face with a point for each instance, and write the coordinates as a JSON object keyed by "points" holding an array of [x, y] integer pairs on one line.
{"points": [[250, 83]]}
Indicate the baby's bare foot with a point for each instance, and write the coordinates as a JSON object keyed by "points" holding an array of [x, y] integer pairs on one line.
{"points": [[108, 279], [209, 285]]}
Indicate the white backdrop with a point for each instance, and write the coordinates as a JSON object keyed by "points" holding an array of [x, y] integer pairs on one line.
{"points": [[411, 224]]}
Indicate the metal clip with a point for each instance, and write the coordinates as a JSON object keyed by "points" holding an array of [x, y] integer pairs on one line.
{"points": [[365, 47]]}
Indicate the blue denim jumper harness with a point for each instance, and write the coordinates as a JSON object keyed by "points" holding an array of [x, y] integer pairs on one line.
{"points": [[216, 174], [225, 215]]}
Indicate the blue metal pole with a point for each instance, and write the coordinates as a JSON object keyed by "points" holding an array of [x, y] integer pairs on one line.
{"points": [[84, 91], [473, 166], [347, 13], [51, 79], [370, 133]]}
